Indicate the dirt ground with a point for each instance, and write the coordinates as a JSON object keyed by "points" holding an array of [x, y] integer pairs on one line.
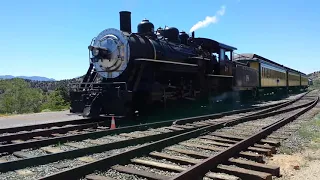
{"points": [[304, 164]]}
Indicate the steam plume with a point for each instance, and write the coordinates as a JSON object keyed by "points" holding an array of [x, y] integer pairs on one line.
{"points": [[209, 20]]}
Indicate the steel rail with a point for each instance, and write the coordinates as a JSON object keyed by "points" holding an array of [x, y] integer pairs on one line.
{"points": [[200, 169], [101, 164], [87, 124], [58, 124], [48, 132], [44, 142], [22, 163]]}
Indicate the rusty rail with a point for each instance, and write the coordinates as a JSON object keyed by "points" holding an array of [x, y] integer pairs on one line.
{"points": [[210, 163], [10, 147], [104, 163]]}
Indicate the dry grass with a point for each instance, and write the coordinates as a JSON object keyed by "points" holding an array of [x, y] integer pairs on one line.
{"points": [[311, 131], [5, 115]]}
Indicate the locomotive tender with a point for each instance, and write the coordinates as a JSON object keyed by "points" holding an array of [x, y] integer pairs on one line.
{"points": [[130, 72]]}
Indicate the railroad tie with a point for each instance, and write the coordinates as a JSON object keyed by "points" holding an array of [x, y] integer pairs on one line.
{"points": [[51, 150], [187, 152], [74, 132], [184, 126], [17, 141], [202, 146], [248, 155], [239, 138], [159, 165], [194, 125], [86, 159], [22, 154], [57, 135], [94, 141], [179, 159], [266, 146], [173, 128], [132, 135], [102, 127], [215, 143], [266, 152], [274, 170], [24, 172], [244, 173], [114, 138], [139, 172], [271, 142], [39, 137], [213, 175], [244, 154], [252, 156], [74, 145], [203, 123], [97, 177], [218, 139], [89, 130]]}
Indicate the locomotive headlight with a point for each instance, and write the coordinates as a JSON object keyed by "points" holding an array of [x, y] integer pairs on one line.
{"points": [[95, 52]]}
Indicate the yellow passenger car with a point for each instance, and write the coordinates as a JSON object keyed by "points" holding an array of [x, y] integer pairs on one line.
{"points": [[272, 75], [293, 78], [304, 80]]}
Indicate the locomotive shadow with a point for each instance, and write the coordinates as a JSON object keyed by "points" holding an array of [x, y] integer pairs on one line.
{"points": [[227, 101]]}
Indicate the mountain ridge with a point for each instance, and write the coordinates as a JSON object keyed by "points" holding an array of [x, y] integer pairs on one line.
{"points": [[32, 78]]}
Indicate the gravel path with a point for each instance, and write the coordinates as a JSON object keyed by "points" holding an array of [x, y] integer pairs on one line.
{"points": [[36, 118]]}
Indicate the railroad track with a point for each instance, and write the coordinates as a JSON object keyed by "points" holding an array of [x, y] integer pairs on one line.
{"points": [[57, 159], [44, 137], [69, 128]]}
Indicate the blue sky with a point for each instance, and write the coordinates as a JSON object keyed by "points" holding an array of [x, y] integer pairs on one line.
{"points": [[50, 38]]}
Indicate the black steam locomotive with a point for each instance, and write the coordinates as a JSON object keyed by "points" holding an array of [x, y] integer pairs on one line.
{"points": [[130, 72]]}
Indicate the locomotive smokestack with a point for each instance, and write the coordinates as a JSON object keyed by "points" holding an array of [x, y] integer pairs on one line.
{"points": [[192, 34], [125, 21]]}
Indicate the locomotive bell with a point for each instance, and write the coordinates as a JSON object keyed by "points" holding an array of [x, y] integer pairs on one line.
{"points": [[145, 26]]}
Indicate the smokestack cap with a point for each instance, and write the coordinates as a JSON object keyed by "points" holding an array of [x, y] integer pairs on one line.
{"points": [[125, 21]]}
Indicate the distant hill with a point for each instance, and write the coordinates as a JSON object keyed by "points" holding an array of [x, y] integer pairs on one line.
{"points": [[52, 85], [32, 78], [44, 83], [314, 75]]}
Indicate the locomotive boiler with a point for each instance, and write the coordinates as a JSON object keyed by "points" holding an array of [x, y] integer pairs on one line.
{"points": [[131, 72]]}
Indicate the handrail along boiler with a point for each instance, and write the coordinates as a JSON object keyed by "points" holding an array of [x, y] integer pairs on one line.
{"points": [[130, 72]]}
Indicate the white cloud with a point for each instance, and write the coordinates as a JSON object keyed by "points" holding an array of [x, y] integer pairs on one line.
{"points": [[209, 19], [222, 11]]}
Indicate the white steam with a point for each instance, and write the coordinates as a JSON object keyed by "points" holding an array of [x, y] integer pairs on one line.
{"points": [[209, 20]]}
